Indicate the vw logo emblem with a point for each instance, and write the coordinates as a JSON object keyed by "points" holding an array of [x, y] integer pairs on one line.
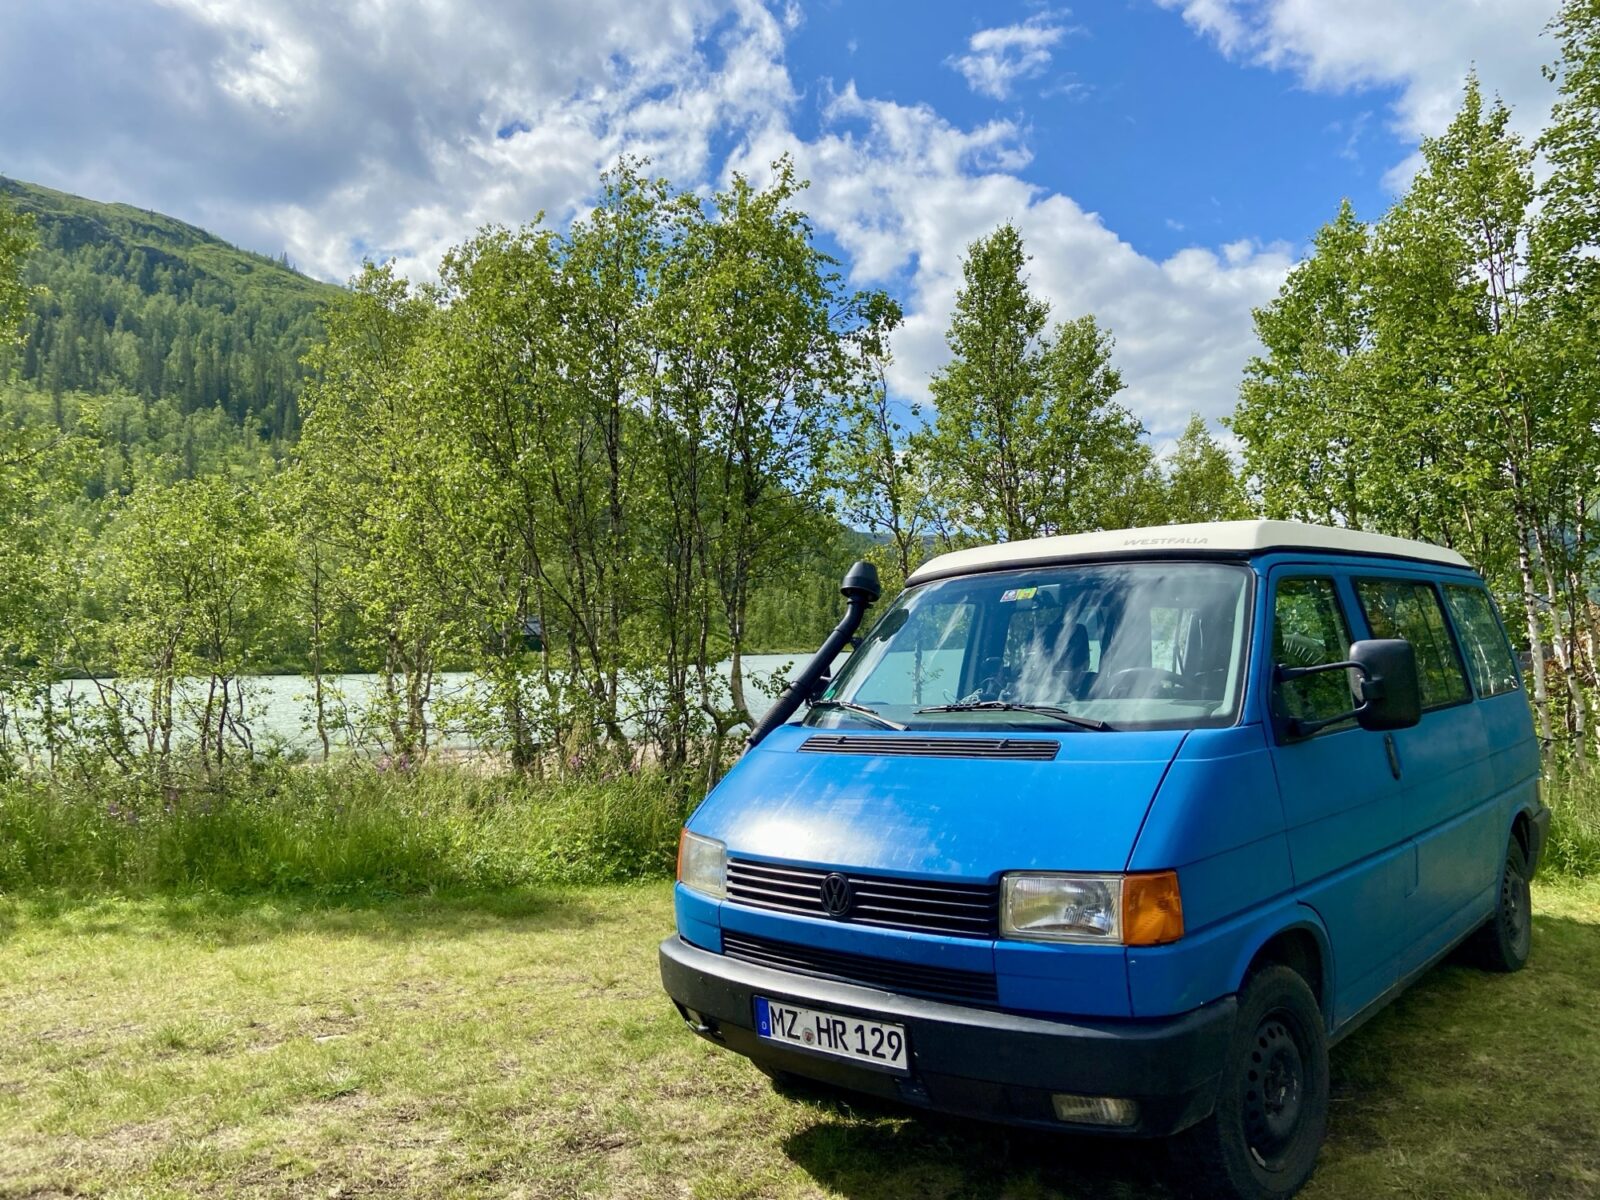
{"points": [[836, 895]]}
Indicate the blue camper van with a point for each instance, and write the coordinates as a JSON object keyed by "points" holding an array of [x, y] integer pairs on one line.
{"points": [[1119, 832]]}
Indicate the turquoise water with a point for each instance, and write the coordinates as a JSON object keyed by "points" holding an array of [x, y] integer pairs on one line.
{"points": [[279, 708]]}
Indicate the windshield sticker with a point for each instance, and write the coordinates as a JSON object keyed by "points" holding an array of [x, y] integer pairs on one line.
{"points": [[1018, 594]]}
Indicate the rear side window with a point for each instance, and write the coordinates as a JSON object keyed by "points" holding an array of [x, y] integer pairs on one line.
{"points": [[1309, 629], [1482, 640], [1407, 608]]}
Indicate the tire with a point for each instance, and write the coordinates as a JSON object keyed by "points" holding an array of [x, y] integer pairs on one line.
{"points": [[1504, 942], [1262, 1139]]}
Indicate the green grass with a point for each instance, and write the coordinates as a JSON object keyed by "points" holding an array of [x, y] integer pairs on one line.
{"points": [[1574, 799], [337, 831], [518, 1045], [349, 830]]}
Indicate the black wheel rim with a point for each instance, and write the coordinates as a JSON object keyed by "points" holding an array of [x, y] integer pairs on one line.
{"points": [[1274, 1090], [1516, 911]]}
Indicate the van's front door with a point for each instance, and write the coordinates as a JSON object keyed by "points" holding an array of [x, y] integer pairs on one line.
{"points": [[1341, 791], [1446, 770]]}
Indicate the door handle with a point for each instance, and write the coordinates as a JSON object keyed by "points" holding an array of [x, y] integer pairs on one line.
{"points": [[1394, 754]]}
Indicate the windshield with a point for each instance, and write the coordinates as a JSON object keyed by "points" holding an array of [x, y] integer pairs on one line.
{"points": [[1153, 645]]}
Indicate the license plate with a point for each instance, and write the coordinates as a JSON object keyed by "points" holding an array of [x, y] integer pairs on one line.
{"points": [[876, 1043]]}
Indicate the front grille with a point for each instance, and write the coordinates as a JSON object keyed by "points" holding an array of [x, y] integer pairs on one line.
{"points": [[918, 905], [1024, 749], [860, 968]]}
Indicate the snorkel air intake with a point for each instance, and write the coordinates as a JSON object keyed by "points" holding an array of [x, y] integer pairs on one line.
{"points": [[860, 588]]}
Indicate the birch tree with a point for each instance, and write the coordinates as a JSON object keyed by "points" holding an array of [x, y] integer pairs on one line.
{"points": [[1029, 436]]}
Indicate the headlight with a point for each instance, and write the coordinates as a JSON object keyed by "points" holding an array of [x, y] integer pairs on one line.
{"points": [[702, 864], [1062, 908], [1128, 910]]}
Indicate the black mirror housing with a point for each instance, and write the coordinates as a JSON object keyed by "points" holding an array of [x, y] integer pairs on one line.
{"points": [[1386, 684]]}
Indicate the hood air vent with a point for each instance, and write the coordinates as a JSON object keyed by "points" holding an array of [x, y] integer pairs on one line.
{"points": [[1026, 749]]}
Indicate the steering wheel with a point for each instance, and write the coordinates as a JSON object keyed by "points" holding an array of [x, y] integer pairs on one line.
{"points": [[1125, 684], [991, 682]]}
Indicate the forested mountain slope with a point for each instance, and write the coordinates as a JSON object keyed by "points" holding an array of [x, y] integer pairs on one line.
{"points": [[138, 303], [154, 355]]}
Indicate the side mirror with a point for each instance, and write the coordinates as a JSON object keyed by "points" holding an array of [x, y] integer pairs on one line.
{"points": [[1390, 694], [1385, 686]]}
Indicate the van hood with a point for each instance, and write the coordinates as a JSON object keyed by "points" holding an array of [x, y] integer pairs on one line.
{"points": [[969, 818]]}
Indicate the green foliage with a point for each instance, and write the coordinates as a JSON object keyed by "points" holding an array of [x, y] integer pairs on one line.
{"points": [[1393, 394], [1306, 411], [364, 483], [1201, 481], [125, 441], [883, 484], [612, 435], [16, 240], [1569, 225], [1432, 377], [132, 301], [335, 831], [1029, 439], [1574, 800], [194, 574]]}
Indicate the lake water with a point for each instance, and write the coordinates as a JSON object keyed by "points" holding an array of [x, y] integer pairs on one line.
{"points": [[281, 711]]}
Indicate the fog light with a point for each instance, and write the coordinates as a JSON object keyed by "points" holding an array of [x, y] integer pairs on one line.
{"points": [[1095, 1110]]}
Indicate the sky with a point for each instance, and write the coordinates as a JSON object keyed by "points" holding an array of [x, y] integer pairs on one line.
{"points": [[1167, 161]]}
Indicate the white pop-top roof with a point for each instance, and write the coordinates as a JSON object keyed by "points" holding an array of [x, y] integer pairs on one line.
{"points": [[1204, 538]]}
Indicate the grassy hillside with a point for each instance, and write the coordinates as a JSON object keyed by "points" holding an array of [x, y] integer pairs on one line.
{"points": [[136, 302]]}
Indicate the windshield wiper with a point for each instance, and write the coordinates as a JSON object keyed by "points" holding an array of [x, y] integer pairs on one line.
{"points": [[861, 710], [1044, 710]]}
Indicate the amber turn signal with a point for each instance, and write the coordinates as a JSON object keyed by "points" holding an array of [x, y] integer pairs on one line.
{"points": [[1152, 909]]}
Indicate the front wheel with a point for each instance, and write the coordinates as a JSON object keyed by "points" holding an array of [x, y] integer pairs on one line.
{"points": [[1505, 942], [1262, 1139]]}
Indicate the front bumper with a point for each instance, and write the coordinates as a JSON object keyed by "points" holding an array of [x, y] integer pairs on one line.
{"points": [[974, 1062]]}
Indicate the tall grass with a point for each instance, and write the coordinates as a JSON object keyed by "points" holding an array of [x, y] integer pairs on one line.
{"points": [[1574, 799], [351, 829], [339, 830]]}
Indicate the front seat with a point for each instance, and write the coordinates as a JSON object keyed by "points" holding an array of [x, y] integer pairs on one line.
{"points": [[1075, 662]]}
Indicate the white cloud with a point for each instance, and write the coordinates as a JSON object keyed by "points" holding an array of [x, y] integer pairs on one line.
{"points": [[394, 127], [905, 191], [1423, 48], [399, 126], [996, 58]]}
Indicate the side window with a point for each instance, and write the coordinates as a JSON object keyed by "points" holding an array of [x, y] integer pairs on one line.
{"points": [[1482, 639], [1406, 608], [1308, 629]]}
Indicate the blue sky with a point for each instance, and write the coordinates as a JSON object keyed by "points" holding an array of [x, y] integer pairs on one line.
{"points": [[1134, 116], [1166, 160]]}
